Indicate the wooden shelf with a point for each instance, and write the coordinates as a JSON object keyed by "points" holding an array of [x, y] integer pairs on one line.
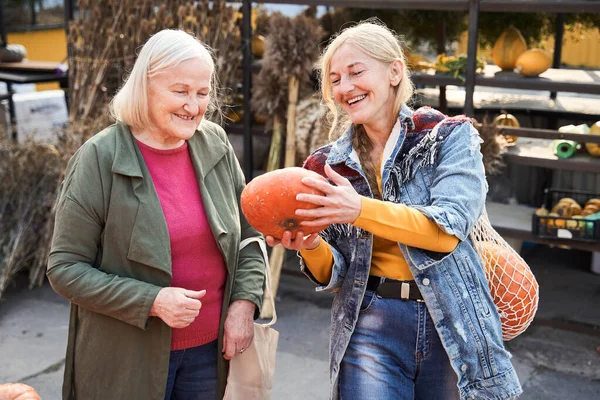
{"points": [[554, 80], [429, 79], [538, 153], [555, 6], [515, 221], [548, 134], [238, 129]]}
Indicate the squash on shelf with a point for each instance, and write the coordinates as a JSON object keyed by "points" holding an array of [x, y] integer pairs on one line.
{"points": [[506, 119], [258, 46], [507, 49], [594, 148], [533, 62]]}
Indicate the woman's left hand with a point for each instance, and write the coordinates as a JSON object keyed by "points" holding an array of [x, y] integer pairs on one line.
{"points": [[340, 204], [239, 328]]}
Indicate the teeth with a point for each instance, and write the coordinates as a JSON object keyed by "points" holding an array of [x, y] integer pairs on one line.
{"points": [[187, 118], [357, 98]]}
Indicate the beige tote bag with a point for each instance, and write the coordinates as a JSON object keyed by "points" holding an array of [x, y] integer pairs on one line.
{"points": [[251, 373]]}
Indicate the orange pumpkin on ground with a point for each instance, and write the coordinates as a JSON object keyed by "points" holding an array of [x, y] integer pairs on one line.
{"points": [[17, 391], [512, 286], [269, 201]]}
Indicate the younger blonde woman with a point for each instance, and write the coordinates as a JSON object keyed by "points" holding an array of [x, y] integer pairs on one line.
{"points": [[412, 317]]}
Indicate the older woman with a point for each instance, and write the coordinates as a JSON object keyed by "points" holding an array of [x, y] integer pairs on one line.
{"points": [[412, 318], [146, 243]]}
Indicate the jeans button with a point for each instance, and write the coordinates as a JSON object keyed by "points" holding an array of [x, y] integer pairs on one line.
{"points": [[425, 282], [463, 367]]}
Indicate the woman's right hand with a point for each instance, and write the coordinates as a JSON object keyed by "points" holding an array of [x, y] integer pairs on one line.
{"points": [[177, 307], [299, 242]]}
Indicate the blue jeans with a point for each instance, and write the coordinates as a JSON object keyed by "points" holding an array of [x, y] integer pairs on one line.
{"points": [[193, 373], [395, 354]]}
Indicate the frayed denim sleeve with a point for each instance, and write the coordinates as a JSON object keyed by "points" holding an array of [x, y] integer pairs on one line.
{"points": [[459, 187], [337, 274]]}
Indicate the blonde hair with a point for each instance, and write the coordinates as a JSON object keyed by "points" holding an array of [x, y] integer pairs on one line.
{"points": [[163, 50], [379, 43]]}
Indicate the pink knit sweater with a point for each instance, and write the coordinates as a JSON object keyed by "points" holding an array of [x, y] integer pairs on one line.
{"points": [[197, 262]]}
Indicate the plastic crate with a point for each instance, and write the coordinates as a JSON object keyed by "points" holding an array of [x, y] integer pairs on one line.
{"points": [[562, 227]]}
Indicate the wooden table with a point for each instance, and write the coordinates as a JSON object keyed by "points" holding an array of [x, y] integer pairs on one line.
{"points": [[30, 72]]}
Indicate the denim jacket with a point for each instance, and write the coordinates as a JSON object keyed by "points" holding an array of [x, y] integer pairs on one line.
{"points": [[433, 164]]}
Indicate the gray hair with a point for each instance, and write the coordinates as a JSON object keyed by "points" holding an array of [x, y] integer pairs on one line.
{"points": [[163, 50]]}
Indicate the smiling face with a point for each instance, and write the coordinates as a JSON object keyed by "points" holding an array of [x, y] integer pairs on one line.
{"points": [[363, 86], [177, 100]]}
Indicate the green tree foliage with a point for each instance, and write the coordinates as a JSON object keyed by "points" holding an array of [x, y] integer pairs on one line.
{"points": [[416, 27], [533, 26]]}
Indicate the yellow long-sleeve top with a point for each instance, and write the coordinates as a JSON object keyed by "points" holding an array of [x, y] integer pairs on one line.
{"points": [[390, 223]]}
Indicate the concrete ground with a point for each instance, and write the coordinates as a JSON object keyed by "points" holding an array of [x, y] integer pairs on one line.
{"points": [[557, 358]]}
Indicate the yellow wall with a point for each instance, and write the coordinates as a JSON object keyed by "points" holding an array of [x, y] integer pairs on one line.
{"points": [[580, 49], [42, 45]]}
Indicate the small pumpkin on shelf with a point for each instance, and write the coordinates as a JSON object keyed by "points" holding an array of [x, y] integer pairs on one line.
{"points": [[594, 148], [258, 46], [507, 49], [533, 62], [506, 119]]}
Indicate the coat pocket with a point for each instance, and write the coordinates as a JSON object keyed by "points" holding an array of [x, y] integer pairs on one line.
{"points": [[474, 286]]}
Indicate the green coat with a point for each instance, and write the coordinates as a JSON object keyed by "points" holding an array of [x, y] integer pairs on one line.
{"points": [[111, 255]]}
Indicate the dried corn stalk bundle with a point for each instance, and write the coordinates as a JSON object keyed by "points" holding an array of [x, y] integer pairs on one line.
{"points": [[29, 174], [493, 148], [312, 129], [104, 39]]}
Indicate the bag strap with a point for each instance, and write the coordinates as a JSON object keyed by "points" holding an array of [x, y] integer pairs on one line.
{"points": [[263, 249]]}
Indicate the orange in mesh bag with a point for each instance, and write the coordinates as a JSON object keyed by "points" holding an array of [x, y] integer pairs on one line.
{"points": [[512, 284]]}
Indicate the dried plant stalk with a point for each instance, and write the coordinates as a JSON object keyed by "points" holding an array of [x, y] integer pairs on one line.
{"points": [[104, 38], [29, 174], [290, 138], [493, 148], [275, 150]]}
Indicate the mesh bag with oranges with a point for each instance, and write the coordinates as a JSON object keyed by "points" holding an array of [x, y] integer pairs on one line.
{"points": [[512, 285]]}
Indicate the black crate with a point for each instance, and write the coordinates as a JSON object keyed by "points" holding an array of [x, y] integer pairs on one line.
{"points": [[562, 227]]}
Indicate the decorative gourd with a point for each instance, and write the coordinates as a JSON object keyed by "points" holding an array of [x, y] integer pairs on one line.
{"points": [[258, 45], [269, 201], [509, 46], [506, 119], [594, 148], [513, 287], [533, 62]]}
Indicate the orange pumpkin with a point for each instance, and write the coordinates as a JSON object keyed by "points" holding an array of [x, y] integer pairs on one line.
{"points": [[512, 286], [506, 119], [509, 46], [269, 201], [17, 391]]}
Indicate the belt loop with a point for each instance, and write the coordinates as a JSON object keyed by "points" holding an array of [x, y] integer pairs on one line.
{"points": [[405, 290]]}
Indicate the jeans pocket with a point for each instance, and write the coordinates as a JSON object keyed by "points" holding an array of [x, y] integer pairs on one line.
{"points": [[368, 301]]}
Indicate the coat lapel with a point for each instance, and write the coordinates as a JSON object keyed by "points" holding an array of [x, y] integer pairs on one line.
{"points": [[150, 244], [207, 150]]}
